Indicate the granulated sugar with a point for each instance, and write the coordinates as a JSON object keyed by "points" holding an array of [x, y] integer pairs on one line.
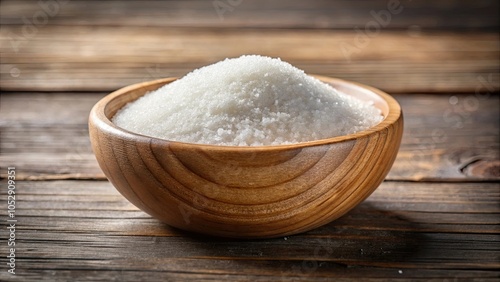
{"points": [[247, 101]]}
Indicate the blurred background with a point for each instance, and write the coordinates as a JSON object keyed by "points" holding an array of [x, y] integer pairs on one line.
{"points": [[400, 46]]}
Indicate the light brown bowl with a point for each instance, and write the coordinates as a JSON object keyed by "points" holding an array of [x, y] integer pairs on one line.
{"points": [[246, 192]]}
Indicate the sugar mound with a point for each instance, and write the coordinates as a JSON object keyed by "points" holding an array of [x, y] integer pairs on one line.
{"points": [[248, 101]]}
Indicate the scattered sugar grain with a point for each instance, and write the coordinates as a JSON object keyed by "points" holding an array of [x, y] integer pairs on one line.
{"points": [[247, 101]]}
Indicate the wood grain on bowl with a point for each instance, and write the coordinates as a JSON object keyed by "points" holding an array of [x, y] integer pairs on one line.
{"points": [[246, 192]]}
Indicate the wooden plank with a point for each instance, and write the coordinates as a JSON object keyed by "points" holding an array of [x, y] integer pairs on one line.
{"points": [[449, 138], [404, 230], [40, 109], [258, 13], [465, 205], [82, 58], [446, 138], [296, 268]]}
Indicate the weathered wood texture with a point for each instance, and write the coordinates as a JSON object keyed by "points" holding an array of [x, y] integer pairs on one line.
{"points": [[446, 137], [102, 58], [85, 230], [427, 14], [435, 218]]}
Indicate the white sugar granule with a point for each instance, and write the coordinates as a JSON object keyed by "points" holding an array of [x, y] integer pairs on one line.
{"points": [[247, 101]]}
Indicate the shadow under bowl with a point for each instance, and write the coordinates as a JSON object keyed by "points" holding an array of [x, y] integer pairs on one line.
{"points": [[246, 192]]}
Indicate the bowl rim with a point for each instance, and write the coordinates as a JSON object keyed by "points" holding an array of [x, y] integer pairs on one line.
{"points": [[98, 118]]}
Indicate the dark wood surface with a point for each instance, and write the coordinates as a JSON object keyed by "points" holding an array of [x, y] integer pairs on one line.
{"points": [[435, 217]]}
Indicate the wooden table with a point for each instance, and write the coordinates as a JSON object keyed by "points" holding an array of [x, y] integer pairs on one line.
{"points": [[436, 216]]}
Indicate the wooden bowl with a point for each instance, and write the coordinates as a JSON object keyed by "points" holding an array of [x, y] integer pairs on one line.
{"points": [[246, 192]]}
